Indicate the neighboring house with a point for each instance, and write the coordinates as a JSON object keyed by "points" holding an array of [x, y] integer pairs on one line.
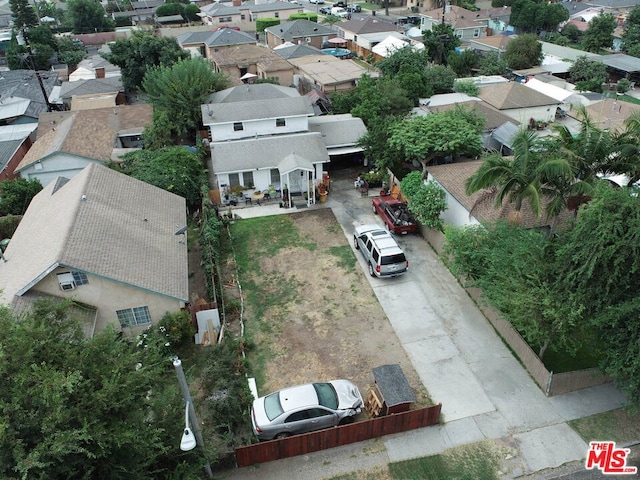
{"points": [[619, 65], [141, 12], [237, 61], [298, 32], [609, 114], [95, 67], [15, 141], [67, 149], [105, 240], [220, 14], [464, 22], [24, 84], [520, 102], [558, 93], [463, 209], [104, 91], [499, 129], [296, 51], [326, 73], [266, 136], [495, 43], [128, 121], [496, 19], [203, 44], [357, 33]]}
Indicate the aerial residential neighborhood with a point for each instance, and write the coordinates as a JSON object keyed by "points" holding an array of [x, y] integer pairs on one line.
{"points": [[266, 239]]}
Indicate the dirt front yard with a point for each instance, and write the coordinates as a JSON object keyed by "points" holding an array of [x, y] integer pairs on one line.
{"points": [[310, 312]]}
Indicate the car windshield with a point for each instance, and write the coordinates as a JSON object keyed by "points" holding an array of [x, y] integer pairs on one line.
{"points": [[272, 406], [391, 259], [327, 396]]}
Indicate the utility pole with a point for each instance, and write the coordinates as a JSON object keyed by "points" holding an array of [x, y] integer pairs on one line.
{"points": [[30, 56], [184, 388]]}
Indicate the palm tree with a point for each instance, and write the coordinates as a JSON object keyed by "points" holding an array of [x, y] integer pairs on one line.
{"points": [[626, 159], [515, 179]]}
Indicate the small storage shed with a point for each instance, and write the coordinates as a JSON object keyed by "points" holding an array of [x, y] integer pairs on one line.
{"points": [[391, 392]]}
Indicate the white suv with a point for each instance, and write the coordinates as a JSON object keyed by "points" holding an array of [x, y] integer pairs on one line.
{"points": [[380, 250]]}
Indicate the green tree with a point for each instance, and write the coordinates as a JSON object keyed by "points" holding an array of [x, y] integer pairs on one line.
{"points": [[87, 16], [599, 35], [463, 63], [175, 169], [422, 139], [180, 89], [70, 52], [16, 195], [191, 12], [631, 33], [404, 60], [169, 9], [138, 53], [516, 179], [426, 200], [75, 407], [517, 271], [532, 17], [572, 32], [375, 141], [491, 63], [439, 41], [23, 14], [588, 75], [439, 79], [524, 51], [467, 86]]}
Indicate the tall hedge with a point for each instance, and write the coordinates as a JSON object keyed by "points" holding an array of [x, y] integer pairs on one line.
{"points": [[263, 23], [312, 17]]}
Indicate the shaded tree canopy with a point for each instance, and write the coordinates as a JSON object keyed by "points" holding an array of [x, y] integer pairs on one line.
{"points": [[439, 41], [599, 35], [87, 16], [524, 51], [180, 90], [23, 14], [16, 194], [175, 169], [138, 53], [588, 75], [532, 17]]}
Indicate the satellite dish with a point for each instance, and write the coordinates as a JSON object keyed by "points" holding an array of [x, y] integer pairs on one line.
{"points": [[188, 441]]}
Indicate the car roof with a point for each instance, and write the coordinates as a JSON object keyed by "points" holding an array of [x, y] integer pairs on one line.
{"points": [[299, 396]]}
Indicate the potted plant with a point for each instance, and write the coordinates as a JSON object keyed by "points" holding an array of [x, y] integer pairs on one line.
{"points": [[322, 192], [374, 178]]}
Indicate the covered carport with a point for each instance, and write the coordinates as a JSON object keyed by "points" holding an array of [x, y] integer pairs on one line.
{"points": [[620, 65]]}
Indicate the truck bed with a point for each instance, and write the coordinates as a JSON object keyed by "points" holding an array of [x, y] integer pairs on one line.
{"points": [[396, 214]]}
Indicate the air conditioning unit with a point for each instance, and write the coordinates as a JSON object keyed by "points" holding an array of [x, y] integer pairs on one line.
{"points": [[66, 281]]}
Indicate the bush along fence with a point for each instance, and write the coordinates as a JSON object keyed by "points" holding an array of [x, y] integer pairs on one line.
{"points": [[550, 383]]}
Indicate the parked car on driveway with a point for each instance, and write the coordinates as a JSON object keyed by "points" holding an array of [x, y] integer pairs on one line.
{"points": [[324, 10], [319, 2], [380, 250], [305, 408], [340, 4], [354, 8]]}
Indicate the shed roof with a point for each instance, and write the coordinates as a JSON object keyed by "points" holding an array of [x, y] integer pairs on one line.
{"points": [[511, 95], [393, 385]]}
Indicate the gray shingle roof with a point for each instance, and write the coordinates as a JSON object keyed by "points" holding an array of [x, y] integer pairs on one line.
{"points": [[248, 93], [24, 84], [266, 152], [297, 51], [256, 110], [299, 28], [338, 130], [124, 232], [360, 26], [91, 86], [219, 38]]}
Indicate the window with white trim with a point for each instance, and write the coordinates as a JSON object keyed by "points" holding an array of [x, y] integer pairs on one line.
{"points": [[134, 317], [247, 179], [234, 179], [275, 176], [238, 127], [476, 33], [280, 122]]}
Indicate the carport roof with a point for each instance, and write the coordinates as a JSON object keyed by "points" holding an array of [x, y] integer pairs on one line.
{"points": [[619, 61]]}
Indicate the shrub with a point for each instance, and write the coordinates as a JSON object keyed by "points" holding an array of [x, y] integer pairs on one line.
{"points": [[177, 328]]}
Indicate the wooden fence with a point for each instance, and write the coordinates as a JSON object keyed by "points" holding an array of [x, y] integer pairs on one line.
{"points": [[336, 437], [550, 383]]}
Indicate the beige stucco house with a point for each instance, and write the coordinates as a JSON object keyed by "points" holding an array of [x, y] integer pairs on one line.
{"points": [[239, 60], [106, 240]]}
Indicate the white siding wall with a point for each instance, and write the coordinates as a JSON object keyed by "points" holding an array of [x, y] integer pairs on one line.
{"points": [[546, 113], [455, 214], [225, 131], [60, 164]]}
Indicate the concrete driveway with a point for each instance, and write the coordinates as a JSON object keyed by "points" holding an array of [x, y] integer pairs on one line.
{"points": [[484, 391]]}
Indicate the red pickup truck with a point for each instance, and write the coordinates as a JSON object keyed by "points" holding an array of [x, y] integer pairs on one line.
{"points": [[396, 215]]}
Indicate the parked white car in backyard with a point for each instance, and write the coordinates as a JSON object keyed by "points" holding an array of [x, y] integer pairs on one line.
{"points": [[305, 408]]}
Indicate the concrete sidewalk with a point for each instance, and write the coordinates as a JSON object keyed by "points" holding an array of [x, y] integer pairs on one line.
{"points": [[484, 391]]}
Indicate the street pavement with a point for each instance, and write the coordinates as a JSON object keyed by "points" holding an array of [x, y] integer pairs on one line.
{"points": [[484, 391]]}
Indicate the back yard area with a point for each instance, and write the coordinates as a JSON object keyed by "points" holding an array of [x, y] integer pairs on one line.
{"points": [[310, 313]]}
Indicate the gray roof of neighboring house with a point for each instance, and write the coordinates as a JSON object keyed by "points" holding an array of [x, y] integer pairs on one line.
{"points": [[328, 70], [338, 130], [91, 86], [266, 152], [24, 84], [360, 26], [297, 51], [505, 96], [219, 38], [250, 92], [103, 223], [213, 113], [299, 28], [147, 4], [619, 61], [505, 133], [74, 135], [219, 9], [273, 7]]}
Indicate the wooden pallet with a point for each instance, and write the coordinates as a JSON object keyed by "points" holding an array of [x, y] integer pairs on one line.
{"points": [[373, 405]]}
